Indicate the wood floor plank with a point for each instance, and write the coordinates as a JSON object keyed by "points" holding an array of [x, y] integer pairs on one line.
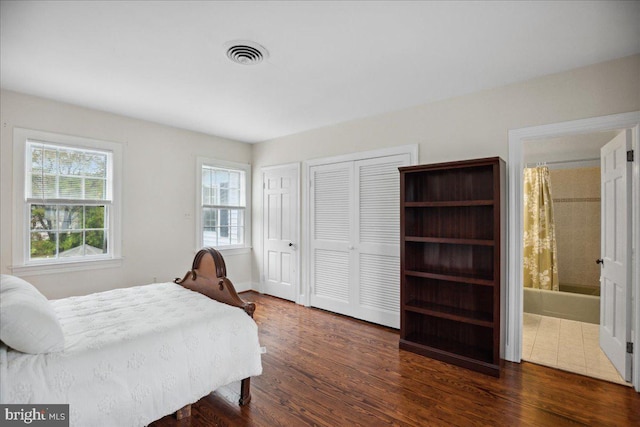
{"points": [[323, 369]]}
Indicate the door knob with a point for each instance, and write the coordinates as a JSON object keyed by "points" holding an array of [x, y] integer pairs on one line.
{"points": [[600, 261], [290, 244]]}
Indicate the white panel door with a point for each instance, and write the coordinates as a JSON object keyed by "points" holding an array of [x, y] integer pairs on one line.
{"points": [[280, 232], [615, 278], [355, 238]]}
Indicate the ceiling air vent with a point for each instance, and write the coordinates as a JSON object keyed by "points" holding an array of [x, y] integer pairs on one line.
{"points": [[246, 52]]}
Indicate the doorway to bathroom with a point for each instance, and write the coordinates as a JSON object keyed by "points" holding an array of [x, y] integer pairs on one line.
{"points": [[570, 151], [561, 251]]}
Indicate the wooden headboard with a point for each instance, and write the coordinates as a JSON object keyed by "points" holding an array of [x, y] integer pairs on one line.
{"points": [[208, 275]]}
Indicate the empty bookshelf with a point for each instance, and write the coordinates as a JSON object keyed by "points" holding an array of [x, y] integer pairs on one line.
{"points": [[452, 261]]}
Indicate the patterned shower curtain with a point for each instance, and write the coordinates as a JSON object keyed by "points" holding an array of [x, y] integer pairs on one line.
{"points": [[540, 253]]}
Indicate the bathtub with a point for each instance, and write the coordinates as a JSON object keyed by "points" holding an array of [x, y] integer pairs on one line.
{"points": [[565, 305]]}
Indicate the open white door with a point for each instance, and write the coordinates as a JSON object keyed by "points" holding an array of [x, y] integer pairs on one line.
{"points": [[280, 231], [615, 264]]}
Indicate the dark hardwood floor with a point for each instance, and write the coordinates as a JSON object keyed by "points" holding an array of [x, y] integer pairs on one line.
{"points": [[324, 369]]}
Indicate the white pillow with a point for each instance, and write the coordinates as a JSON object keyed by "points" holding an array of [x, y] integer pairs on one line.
{"points": [[27, 320]]}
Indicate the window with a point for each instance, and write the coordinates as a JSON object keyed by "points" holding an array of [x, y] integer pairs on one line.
{"points": [[223, 204], [68, 199]]}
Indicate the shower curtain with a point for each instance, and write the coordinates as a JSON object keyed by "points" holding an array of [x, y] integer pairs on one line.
{"points": [[540, 253]]}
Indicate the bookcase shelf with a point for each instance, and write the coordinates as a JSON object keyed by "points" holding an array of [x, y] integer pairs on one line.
{"points": [[451, 278], [454, 203], [454, 241], [454, 348], [452, 261], [452, 313]]}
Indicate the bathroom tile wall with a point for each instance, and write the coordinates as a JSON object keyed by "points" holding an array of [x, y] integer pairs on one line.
{"points": [[576, 196]]}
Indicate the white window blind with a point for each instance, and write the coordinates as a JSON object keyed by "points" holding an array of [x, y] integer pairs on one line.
{"points": [[68, 195]]}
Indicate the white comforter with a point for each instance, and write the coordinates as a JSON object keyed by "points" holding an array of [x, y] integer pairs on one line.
{"points": [[134, 355]]}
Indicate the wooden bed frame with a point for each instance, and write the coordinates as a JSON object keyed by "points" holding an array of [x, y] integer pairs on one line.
{"points": [[208, 276]]}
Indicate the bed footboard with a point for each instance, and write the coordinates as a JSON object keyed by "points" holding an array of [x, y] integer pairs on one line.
{"points": [[208, 275]]}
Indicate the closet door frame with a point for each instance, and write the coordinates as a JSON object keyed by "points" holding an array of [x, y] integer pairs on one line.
{"points": [[411, 150]]}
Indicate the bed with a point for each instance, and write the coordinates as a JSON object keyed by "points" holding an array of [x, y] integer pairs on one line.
{"points": [[129, 356]]}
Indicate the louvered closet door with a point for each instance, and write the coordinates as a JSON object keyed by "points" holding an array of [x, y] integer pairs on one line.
{"points": [[377, 297], [355, 222], [331, 196]]}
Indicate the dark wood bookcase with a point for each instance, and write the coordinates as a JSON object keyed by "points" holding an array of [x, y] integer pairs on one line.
{"points": [[452, 261]]}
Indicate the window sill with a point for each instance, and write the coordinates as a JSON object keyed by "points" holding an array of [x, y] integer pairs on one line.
{"points": [[65, 267], [235, 251]]}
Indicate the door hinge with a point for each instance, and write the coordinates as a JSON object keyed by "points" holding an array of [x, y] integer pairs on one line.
{"points": [[630, 347], [630, 156]]}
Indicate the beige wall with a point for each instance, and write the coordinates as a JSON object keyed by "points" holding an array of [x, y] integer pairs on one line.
{"points": [[159, 189], [470, 126], [158, 229], [576, 205]]}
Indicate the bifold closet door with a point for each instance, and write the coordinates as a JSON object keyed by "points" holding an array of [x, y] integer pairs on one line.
{"points": [[331, 260], [355, 251]]}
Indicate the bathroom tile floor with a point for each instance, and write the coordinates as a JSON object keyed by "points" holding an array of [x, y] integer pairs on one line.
{"points": [[566, 344]]}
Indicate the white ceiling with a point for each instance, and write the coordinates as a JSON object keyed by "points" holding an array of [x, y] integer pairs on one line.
{"points": [[329, 62]]}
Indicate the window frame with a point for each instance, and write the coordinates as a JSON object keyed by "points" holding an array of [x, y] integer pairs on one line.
{"points": [[22, 262], [201, 162]]}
